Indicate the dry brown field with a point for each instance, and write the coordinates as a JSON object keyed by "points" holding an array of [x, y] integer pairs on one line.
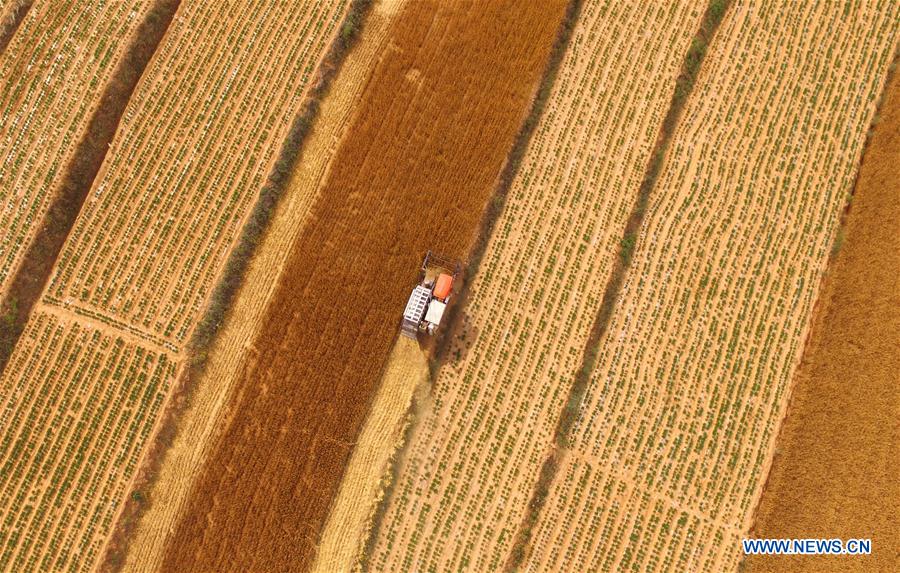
{"points": [[835, 468], [668, 455], [52, 76], [434, 127], [85, 384], [468, 472]]}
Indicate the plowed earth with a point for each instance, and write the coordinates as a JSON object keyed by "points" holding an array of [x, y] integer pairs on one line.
{"points": [[836, 472], [421, 161]]}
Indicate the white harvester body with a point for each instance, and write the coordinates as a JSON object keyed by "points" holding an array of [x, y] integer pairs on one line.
{"points": [[428, 300]]}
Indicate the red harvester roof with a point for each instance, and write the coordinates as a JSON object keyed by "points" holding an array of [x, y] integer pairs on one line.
{"points": [[443, 285]]}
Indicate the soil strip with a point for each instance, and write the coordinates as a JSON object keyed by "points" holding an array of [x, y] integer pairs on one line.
{"points": [[29, 279], [684, 84]]}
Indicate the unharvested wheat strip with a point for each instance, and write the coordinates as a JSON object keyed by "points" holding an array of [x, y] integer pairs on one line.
{"points": [[435, 126], [51, 80], [230, 352], [691, 377], [348, 523], [470, 469]]}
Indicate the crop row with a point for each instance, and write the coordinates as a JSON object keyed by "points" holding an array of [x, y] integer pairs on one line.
{"points": [[477, 455], [51, 77], [78, 406], [692, 376], [195, 145]]}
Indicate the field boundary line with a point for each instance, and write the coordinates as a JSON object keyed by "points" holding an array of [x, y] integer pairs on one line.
{"points": [[12, 20], [817, 311], [476, 253], [40, 257], [690, 68], [68, 315], [230, 280]]}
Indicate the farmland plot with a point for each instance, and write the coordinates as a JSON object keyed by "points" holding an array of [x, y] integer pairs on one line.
{"points": [[470, 468], [51, 79], [415, 172], [676, 428], [75, 416], [233, 349], [836, 470], [199, 135], [195, 146]]}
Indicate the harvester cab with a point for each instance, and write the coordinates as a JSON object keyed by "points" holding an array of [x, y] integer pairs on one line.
{"points": [[429, 299]]}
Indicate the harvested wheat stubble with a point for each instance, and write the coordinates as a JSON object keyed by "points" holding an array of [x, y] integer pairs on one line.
{"points": [[233, 347], [836, 471], [51, 80], [678, 421], [470, 469], [434, 127], [367, 473], [198, 136]]}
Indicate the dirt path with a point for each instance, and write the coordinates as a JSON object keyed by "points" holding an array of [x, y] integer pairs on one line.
{"points": [[436, 123], [835, 471], [230, 355]]}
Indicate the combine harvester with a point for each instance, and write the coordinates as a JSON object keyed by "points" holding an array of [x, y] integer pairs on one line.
{"points": [[429, 299]]}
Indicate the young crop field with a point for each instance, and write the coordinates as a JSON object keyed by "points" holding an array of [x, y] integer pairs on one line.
{"points": [[197, 140], [51, 79], [75, 415], [825, 478], [469, 470], [233, 349], [195, 146], [676, 430], [423, 156]]}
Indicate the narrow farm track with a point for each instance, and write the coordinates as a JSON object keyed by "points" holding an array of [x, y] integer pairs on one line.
{"points": [[434, 127], [469, 470], [836, 470], [87, 380], [54, 87], [233, 347], [678, 422]]}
